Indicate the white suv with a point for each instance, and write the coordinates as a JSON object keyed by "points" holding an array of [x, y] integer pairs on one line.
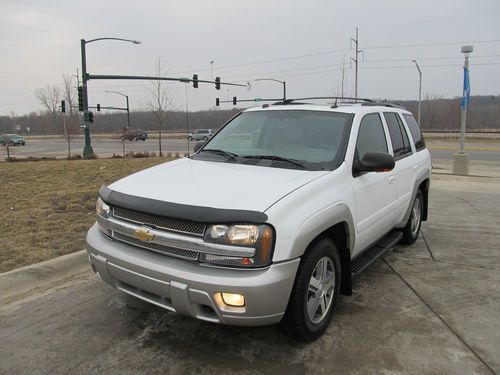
{"points": [[270, 219]]}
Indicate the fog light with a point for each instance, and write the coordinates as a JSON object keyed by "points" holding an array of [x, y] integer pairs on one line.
{"points": [[233, 299]]}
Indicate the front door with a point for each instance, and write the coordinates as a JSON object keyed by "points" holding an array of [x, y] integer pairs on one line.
{"points": [[374, 192]]}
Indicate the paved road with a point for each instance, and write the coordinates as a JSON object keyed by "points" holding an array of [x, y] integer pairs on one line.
{"points": [[106, 147], [431, 308], [59, 147]]}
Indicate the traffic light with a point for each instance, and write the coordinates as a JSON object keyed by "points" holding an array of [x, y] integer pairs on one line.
{"points": [[80, 98], [195, 81], [234, 100], [63, 106], [98, 107], [91, 117], [217, 83], [217, 102]]}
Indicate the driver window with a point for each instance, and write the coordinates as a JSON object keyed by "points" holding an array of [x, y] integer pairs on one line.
{"points": [[371, 136]]}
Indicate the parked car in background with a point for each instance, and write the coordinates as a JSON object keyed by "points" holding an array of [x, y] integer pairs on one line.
{"points": [[12, 140], [134, 135], [201, 135]]}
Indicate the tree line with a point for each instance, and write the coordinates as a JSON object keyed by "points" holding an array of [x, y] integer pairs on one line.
{"points": [[438, 114]]}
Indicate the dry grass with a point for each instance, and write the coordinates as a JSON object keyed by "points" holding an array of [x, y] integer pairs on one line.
{"points": [[48, 206]]}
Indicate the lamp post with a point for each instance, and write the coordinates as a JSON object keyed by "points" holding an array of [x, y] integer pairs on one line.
{"points": [[87, 149], [419, 92], [461, 159], [276, 80], [128, 111]]}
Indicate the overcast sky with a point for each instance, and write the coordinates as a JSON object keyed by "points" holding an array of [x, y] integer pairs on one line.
{"points": [[302, 42]]}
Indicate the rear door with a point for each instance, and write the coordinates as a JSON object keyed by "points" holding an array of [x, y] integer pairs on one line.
{"points": [[404, 178], [375, 193]]}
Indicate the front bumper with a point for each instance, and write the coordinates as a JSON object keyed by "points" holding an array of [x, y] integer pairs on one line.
{"points": [[190, 288]]}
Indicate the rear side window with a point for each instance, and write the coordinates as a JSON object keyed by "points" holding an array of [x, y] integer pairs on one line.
{"points": [[371, 136], [400, 142], [415, 131]]}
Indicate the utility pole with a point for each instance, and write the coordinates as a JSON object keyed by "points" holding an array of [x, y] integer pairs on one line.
{"points": [[419, 92], [356, 42]]}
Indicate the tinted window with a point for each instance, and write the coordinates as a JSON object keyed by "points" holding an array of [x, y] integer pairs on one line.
{"points": [[400, 143], [371, 136], [313, 137], [415, 131]]}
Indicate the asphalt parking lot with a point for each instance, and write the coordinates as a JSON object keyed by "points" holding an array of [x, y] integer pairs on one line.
{"points": [[431, 308]]}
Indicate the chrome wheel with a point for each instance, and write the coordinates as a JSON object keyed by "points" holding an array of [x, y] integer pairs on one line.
{"points": [[321, 290], [416, 216]]}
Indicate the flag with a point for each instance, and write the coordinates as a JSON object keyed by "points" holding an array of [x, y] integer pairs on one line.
{"points": [[466, 94]]}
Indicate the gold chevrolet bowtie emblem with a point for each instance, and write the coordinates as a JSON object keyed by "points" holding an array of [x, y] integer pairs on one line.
{"points": [[144, 234]]}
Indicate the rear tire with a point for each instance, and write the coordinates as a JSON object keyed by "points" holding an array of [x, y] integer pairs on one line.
{"points": [[315, 293], [412, 229]]}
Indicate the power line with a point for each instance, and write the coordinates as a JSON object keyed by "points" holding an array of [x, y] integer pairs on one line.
{"points": [[338, 51], [434, 44], [268, 61]]}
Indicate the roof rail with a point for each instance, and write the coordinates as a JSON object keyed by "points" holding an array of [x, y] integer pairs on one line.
{"points": [[384, 104], [336, 98]]}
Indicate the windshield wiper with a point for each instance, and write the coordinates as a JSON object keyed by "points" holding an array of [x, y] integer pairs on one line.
{"points": [[276, 158], [229, 155]]}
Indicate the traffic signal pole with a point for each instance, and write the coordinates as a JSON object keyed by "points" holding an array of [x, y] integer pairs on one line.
{"points": [[87, 149]]}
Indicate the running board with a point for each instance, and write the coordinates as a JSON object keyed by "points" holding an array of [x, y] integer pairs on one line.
{"points": [[368, 256]]}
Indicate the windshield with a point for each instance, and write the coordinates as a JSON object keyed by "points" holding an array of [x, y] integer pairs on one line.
{"points": [[289, 139]]}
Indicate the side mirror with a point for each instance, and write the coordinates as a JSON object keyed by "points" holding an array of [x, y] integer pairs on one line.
{"points": [[198, 145], [374, 162]]}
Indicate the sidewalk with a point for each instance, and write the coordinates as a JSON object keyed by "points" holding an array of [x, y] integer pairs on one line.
{"points": [[477, 168]]}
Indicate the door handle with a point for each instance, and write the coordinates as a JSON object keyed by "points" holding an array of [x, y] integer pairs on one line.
{"points": [[391, 179]]}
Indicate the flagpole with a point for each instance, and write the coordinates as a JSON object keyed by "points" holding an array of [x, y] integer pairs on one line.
{"points": [[465, 103], [461, 159]]}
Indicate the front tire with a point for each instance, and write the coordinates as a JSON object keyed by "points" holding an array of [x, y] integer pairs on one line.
{"points": [[315, 293], [412, 229]]}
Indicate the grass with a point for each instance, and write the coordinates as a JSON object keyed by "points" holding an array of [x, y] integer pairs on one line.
{"points": [[48, 206]]}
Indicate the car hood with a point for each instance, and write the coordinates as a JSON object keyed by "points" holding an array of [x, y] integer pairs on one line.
{"points": [[215, 184]]}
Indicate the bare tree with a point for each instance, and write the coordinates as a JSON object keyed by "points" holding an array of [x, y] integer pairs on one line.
{"points": [[70, 120], [49, 98], [159, 102]]}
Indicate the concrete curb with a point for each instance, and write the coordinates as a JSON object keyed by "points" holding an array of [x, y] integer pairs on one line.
{"points": [[23, 281]]}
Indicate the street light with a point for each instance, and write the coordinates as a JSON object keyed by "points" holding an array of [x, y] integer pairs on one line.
{"points": [[87, 149], [419, 92], [461, 159], [128, 112], [276, 80]]}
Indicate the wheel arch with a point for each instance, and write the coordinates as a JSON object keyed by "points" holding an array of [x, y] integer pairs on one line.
{"points": [[340, 234]]}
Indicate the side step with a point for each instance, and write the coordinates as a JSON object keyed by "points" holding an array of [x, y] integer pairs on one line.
{"points": [[368, 256]]}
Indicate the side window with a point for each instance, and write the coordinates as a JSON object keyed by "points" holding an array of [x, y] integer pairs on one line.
{"points": [[415, 131], [371, 136], [400, 143]]}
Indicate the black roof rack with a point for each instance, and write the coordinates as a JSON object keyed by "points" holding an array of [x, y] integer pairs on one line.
{"points": [[343, 99], [385, 104], [300, 101]]}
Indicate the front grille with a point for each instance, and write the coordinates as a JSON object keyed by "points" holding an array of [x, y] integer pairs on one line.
{"points": [[162, 249], [160, 222]]}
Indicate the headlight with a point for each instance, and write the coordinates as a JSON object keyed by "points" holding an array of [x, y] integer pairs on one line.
{"points": [[101, 208], [234, 234], [259, 237]]}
